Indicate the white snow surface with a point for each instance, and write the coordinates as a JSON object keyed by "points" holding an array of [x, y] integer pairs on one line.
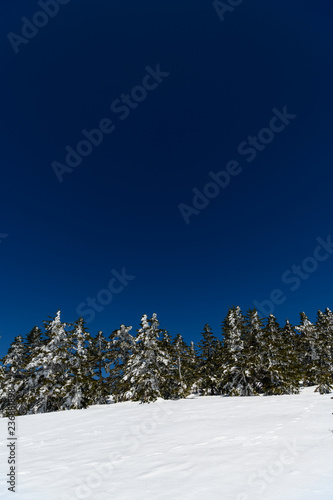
{"points": [[202, 448]]}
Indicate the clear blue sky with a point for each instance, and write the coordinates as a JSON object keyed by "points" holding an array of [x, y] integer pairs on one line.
{"points": [[120, 206]]}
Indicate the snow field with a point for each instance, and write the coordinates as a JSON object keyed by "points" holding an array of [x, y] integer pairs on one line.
{"points": [[241, 448]]}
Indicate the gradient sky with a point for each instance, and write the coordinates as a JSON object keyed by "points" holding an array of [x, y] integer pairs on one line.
{"points": [[120, 207]]}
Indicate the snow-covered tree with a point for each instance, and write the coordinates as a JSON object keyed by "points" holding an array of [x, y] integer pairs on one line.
{"points": [[2, 389], [193, 366], [254, 347], [51, 362], [183, 367], [78, 391], [34, 341], [170, 387], [324, 349], [308, 349], [272, 375], [99, 360], [278, 364], [291, 358], [122, 345], [147, 366], [236, 377], [209, 360], [14, 377], [289, 336], [289, 364]]}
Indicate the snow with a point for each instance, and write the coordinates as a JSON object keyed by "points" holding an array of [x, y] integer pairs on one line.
{"points": [[212, 447]]}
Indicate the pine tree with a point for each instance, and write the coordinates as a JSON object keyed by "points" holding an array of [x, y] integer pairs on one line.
{"points": [[122, 346], [236, 379], [183, 367], [193, 367], [166, 341], [3, 395], [33, 339], [14, 377], [99, 359], [309, 354], [289, 364], [209, 357], [170, 383], [33, 343], [51, 360], [279, 376], [324, 356], [78, 391], [272, 375], [146, 367], [254, 349]]}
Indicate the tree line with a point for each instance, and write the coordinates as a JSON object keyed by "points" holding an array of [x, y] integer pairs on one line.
{"points": [[62, 367]]}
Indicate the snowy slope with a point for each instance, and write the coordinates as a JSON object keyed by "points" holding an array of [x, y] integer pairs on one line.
{"points": [[250, 448]]}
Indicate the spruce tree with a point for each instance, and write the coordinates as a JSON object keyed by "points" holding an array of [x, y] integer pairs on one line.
{"points": [[209, 358], [99, 360], [254, 350], [323, 348], [145, 370], [170, 387], [236, 377], [78, 391], [279, 361], [290, 359], [33, 343], [52, 362], [183, 367], [193, 367], [14, 377], [309, 354], [121, 347], [3, 396], [272, 376]]}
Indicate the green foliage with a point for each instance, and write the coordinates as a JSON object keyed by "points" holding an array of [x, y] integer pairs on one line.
{"points": [[62, 367], [209, 361], [237, 368], [99, 359], [147, 368]]}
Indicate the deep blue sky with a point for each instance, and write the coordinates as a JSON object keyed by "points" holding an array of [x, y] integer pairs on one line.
{"points": [[119, 207]]}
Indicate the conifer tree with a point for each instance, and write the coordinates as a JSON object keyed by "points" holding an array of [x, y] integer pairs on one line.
{"points": [[14, 376], [209, 358], [183, 367], [2, 389], [193, 367], [289, 336], [99, 359], [51, 360], [272, 376], [78, 391], [33, 343], [323, 361], [145, 369], [254, 350], [289, 364], [33, 339], [279, 377], [170, 384], [308, 342], [121, 347], [236, 379]]}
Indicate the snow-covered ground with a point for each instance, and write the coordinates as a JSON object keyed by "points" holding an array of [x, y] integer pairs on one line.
{"points": [[250, 448]]}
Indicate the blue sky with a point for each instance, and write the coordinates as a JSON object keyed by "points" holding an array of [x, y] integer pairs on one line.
{"points": [[118, 210]]}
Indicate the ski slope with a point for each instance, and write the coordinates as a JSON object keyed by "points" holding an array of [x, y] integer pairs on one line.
{"points": [[205, 448]]}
